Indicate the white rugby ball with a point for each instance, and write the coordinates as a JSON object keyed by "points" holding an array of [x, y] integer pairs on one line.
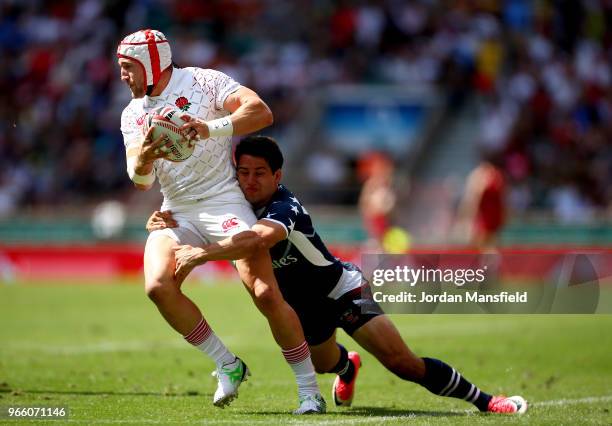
{"points": [[168, 122]]}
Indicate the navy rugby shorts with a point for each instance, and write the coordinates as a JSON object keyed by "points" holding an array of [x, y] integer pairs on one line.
{"points": [[350, 311]]}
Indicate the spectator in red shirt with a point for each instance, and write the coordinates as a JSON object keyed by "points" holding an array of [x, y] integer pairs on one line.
{"points": [[483, 208]]}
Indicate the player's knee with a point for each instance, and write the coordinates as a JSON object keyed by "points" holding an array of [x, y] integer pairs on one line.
{"points": [[159, 292], [266, 298]]}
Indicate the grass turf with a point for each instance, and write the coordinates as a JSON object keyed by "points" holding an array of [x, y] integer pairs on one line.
{"points": [[106, 353]]}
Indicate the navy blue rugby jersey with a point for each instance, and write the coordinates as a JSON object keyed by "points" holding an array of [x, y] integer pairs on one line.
{"points": [[302, 264]]}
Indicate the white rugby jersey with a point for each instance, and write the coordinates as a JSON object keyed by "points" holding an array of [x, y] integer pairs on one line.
{"points": [[209, 174]]}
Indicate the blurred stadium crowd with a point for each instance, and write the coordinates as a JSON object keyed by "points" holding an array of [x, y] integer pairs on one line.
{"points": [[540, 70]]}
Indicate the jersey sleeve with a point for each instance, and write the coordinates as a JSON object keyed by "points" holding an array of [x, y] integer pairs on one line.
{"points": [[129, 128], [217, 85], [285, 213]]}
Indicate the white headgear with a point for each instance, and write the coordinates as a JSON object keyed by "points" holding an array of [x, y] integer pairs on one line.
{"points": [[151, 50]]}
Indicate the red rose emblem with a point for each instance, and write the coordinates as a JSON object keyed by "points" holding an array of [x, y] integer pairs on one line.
{"points": [[183, 103]]}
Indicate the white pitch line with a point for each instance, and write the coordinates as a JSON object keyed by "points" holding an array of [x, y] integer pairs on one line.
{"points": [[352, 421], [586, 400]]}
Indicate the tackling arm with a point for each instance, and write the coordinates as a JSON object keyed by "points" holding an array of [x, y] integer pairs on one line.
{"points": [[263, 235]]}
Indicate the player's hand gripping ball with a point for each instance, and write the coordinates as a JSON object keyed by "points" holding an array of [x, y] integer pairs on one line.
{"points": [[168, 122]]}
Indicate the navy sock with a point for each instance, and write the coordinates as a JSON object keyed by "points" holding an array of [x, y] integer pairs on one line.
{"points": [[344, 368], [441, 379]]}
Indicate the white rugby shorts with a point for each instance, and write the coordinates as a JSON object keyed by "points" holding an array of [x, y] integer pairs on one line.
{"points": [[198, 225]]}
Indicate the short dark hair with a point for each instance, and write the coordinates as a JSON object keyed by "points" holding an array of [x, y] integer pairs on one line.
{"points": [[263, 147]]}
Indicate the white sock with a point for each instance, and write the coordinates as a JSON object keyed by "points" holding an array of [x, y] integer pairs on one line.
{"points": [[301, 364], [203, 338]]}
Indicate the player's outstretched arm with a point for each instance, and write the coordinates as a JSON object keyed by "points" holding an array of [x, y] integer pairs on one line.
{"points": [[262, 236], [249, 113]]}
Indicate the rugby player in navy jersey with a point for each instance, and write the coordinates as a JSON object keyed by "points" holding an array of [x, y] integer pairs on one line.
{"points": [[325, 292]]}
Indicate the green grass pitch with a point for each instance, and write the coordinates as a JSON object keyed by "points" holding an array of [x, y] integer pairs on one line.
{"points": [[105, 353]]}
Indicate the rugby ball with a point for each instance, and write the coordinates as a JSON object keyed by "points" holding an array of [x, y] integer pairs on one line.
{"points": [[168, 121]]}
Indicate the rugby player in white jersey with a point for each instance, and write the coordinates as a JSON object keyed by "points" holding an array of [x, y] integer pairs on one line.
{"points": [[207, 203]]}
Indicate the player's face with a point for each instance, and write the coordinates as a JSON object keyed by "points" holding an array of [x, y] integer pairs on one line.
{"points": [[257, 180], [132, 74]]}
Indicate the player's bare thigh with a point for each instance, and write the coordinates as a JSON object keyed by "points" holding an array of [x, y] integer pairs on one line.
{"points": [[159, 261]]}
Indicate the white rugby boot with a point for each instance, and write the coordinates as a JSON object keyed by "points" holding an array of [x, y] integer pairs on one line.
{"points": [[229, 377], [311, 404]]}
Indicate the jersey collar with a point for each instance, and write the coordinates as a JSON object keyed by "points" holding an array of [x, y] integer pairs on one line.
{"points": [[150, 101]]}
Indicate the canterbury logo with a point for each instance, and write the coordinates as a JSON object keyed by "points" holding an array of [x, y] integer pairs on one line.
{"points": [[229, 224]]}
